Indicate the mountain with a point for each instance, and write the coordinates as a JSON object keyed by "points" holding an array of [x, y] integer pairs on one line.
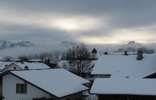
{"points": [[13, 44]]}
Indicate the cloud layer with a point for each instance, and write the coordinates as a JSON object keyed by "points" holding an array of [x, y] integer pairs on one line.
{"points": [[89, 21]]}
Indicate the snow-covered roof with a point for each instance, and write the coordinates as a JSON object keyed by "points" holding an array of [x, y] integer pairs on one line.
{"points": [[58, 82], [3, 64], [34, 65], [125, 66], [124, 86]]}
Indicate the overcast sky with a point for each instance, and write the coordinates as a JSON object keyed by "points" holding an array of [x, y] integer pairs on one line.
{"points": [[88, 21]]}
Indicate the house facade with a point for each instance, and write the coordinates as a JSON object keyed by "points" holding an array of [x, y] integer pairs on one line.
{"points": [[26, 92]]}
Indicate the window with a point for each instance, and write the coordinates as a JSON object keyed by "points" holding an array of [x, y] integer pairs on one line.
{"points": [[21, 88]]}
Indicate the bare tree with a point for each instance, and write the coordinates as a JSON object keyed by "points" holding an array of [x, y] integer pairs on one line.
{"points": [[79, 57]]}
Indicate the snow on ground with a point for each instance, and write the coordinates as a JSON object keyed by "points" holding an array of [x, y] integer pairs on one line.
{"points": [[58, 82], [125, 66], [124, 86]]}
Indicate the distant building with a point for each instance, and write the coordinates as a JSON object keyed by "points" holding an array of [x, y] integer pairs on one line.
{"points": [[6, 66]]}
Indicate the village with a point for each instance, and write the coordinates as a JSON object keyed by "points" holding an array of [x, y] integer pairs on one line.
{"points": [[123, 76], [77, 50]]}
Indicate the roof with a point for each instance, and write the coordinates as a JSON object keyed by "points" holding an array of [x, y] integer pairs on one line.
{"points": [[125, 66], [34, 65], [3, 64], [57, 82], [124, 87]]}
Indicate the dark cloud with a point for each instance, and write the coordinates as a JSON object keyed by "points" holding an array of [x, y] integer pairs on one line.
{"points": [[32, 33], [81, 6], [121, 14]]}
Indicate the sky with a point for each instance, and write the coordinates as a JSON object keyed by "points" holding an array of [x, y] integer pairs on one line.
{"points": [[85, 21]]}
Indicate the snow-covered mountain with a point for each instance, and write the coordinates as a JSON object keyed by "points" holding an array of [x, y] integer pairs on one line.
{"points": [[27, 48], [13, 44]]}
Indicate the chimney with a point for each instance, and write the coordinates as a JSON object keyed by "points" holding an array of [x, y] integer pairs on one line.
{"points": [[106, 53], [14, 68], [126, 53], [26, 67], [140, 54]]}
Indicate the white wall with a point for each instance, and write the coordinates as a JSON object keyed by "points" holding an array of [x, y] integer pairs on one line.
{"points": [[9, 89]]}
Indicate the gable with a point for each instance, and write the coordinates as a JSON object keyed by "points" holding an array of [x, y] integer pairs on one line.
{"points": [[9, 89]]}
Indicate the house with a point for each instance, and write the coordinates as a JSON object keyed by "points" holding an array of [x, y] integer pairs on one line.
{"points": [[124, 77], [124, 89], [121, 66], [5, 66], [47, 84]]}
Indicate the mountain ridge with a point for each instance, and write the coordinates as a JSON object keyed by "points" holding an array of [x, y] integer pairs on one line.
{"points": [[5, 44]]}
